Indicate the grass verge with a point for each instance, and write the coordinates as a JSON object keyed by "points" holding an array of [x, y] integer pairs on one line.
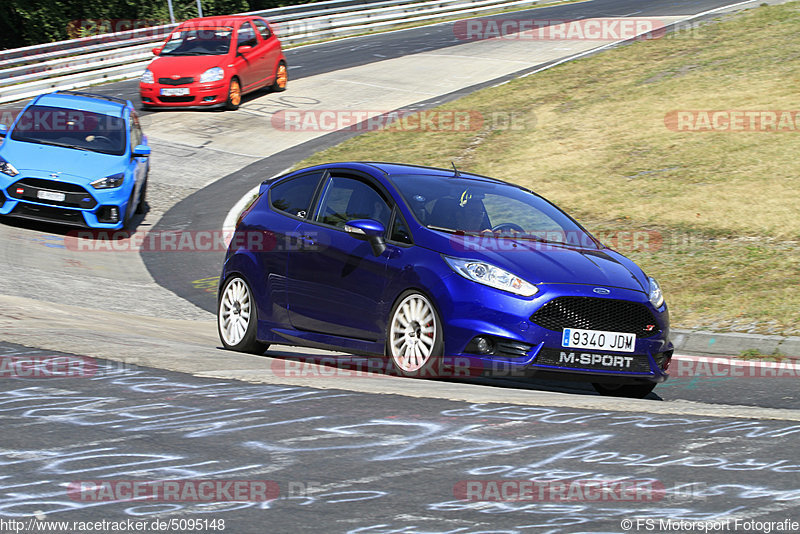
{"points": [[594, 139]]}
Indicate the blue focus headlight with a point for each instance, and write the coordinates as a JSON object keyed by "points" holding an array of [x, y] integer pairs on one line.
{"points": [[7, 168], [115, 180], [655, 294], [492, 276], [214, 74]]}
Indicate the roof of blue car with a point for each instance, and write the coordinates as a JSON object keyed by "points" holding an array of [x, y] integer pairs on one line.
{"points": [[82, 103], [405, 169]]}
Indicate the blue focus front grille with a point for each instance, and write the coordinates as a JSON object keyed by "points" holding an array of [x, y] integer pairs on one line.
{"points": [[31, 189]]}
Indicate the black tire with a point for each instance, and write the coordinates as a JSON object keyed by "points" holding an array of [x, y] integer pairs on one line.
{"points": [[281, 79], [234, 99], [127, 215], [631, 391], [405, 351], [243, 337], [141, 207]]}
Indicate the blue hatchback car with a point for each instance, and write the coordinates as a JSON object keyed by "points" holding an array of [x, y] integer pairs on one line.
{"points": [[74, 158], [429, 267]]}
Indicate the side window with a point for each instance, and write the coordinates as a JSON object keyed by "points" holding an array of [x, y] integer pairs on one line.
{"points": [[263, 29], [400, 233], [246, 36], [294, 196], [345, 199], [136, 131]]}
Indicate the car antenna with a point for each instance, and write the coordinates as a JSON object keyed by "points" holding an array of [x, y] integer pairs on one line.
{"points": [[454, 169]]}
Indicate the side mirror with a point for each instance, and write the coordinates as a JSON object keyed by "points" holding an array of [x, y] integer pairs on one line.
{"points": [[368, 230], [3, 130], [141, 151], [244, 49]]}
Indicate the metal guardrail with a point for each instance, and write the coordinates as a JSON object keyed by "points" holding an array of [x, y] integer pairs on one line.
{"points": [[30, 71]]}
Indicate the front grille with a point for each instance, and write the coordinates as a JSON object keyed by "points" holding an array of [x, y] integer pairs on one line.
{"points": [[572, 359], [180, 81], [48, 214], [2, 199], [175, 99], [511, 349], [75, 196], [589, 313]]}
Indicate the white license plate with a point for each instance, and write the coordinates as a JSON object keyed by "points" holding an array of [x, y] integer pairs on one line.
{"points": [[575, 338], [175, 91], [51, 195]]}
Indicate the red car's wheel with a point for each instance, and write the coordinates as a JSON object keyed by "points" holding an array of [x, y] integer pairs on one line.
{"points": [[234, 95], [281, 78]]}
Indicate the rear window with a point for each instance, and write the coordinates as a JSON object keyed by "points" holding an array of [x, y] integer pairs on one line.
{"points": [[294, 196]]}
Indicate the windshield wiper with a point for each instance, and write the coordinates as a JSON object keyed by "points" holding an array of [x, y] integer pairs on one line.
{"points": [[50, 143], [76, 147]]}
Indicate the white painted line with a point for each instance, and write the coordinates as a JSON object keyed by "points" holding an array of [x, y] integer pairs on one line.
{"points": [[416, 91]]}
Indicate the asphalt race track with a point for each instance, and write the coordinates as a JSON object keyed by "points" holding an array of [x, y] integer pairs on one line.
{"points": [[343, 461]]}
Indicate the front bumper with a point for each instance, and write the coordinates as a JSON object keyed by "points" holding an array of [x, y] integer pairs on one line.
{"points": [[83, 207], [523, 348]]}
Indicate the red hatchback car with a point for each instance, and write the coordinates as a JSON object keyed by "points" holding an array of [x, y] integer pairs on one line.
{"points": [[213, 61]]}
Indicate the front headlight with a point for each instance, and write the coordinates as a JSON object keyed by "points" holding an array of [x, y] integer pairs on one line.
{"points": [[147, 76], [115, 180], [213, 74], [655, 294], [7, 168], [492, 276]]}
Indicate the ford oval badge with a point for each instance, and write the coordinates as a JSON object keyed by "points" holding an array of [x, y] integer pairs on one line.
{"points": [[602, 291]]}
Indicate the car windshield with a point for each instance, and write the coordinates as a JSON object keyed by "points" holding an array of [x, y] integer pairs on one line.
{"points": [[199, 42], [71, 128], [483, 207]]}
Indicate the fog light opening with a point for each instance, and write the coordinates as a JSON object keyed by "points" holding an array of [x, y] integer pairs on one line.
{"points": [[480, 345], [209, 98], [108, 214]]}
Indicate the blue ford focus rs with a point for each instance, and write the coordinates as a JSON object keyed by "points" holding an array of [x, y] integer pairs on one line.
{"points": [[430, 266], [74, 158]]}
